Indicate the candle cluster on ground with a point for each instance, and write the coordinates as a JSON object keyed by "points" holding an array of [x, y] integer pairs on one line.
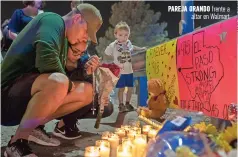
{"points": [[127, 141], [134, 140], [104, 148], [92, 151]]}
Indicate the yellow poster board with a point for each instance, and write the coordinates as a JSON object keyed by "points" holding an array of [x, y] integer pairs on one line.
{"points": [[161, 63]]}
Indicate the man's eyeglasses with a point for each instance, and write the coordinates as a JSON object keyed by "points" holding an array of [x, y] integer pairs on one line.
{"points": [[77, 52]]}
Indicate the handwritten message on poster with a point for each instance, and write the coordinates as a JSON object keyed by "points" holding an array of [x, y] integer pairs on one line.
{"points": [[161, 63], [207, 70]]}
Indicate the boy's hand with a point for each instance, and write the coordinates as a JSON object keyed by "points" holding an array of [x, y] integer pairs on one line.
{"points": [[92, 64], [136, 48], [144, 48]]}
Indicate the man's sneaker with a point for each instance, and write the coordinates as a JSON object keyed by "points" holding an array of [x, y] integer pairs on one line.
{"points": [[20, 148], [67, 132], [129, 107], [122, 108], [40, 136]]}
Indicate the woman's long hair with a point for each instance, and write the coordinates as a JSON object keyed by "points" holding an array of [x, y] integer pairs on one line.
{"points": [[32, 3]]}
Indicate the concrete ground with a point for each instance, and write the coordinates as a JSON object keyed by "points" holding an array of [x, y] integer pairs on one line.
{"points": [[76, 148]]}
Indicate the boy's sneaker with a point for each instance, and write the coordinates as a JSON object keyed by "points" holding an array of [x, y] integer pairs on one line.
{"points": [[41, 137], [67, 132], [129, 107], [122, 108], [20, 148]]}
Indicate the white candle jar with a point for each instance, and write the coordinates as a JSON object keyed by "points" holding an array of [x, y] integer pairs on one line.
{"points": [[92, 151], [104, 148], [124, 151]]}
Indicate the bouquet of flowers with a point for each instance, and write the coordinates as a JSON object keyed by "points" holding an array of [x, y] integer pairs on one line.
{"points": [[106, 77]]}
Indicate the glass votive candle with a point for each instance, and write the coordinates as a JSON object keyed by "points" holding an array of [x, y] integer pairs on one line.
{"points": [[114, 143], [92, 151], [120, 132], [126, 141], [113, 140], [104, 148], [124, 151], [126, 128], [142, 137], [134, 123], [131, 134], [105, 135], [146, 129], [140, 144], [137, 129], [152, 133]]}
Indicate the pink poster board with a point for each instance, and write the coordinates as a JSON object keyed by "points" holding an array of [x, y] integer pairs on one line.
{"points": [[207, 69]]}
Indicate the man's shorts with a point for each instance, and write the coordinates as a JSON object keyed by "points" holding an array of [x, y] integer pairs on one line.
{"points": [[15, 98], [126, 80]]}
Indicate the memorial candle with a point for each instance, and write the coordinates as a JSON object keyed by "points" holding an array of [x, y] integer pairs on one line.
{"points": [[126, 128], [92, 151], [146, 129], [104, 148], [105, 135], [124, 151], [127, 142], [120, 132], [132, 134], [152, 133], [137, 129], [114, 143], [140, 143]]}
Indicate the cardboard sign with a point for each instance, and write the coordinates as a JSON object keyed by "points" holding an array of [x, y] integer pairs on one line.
{"points": [[207, 69], [161, 63]]}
